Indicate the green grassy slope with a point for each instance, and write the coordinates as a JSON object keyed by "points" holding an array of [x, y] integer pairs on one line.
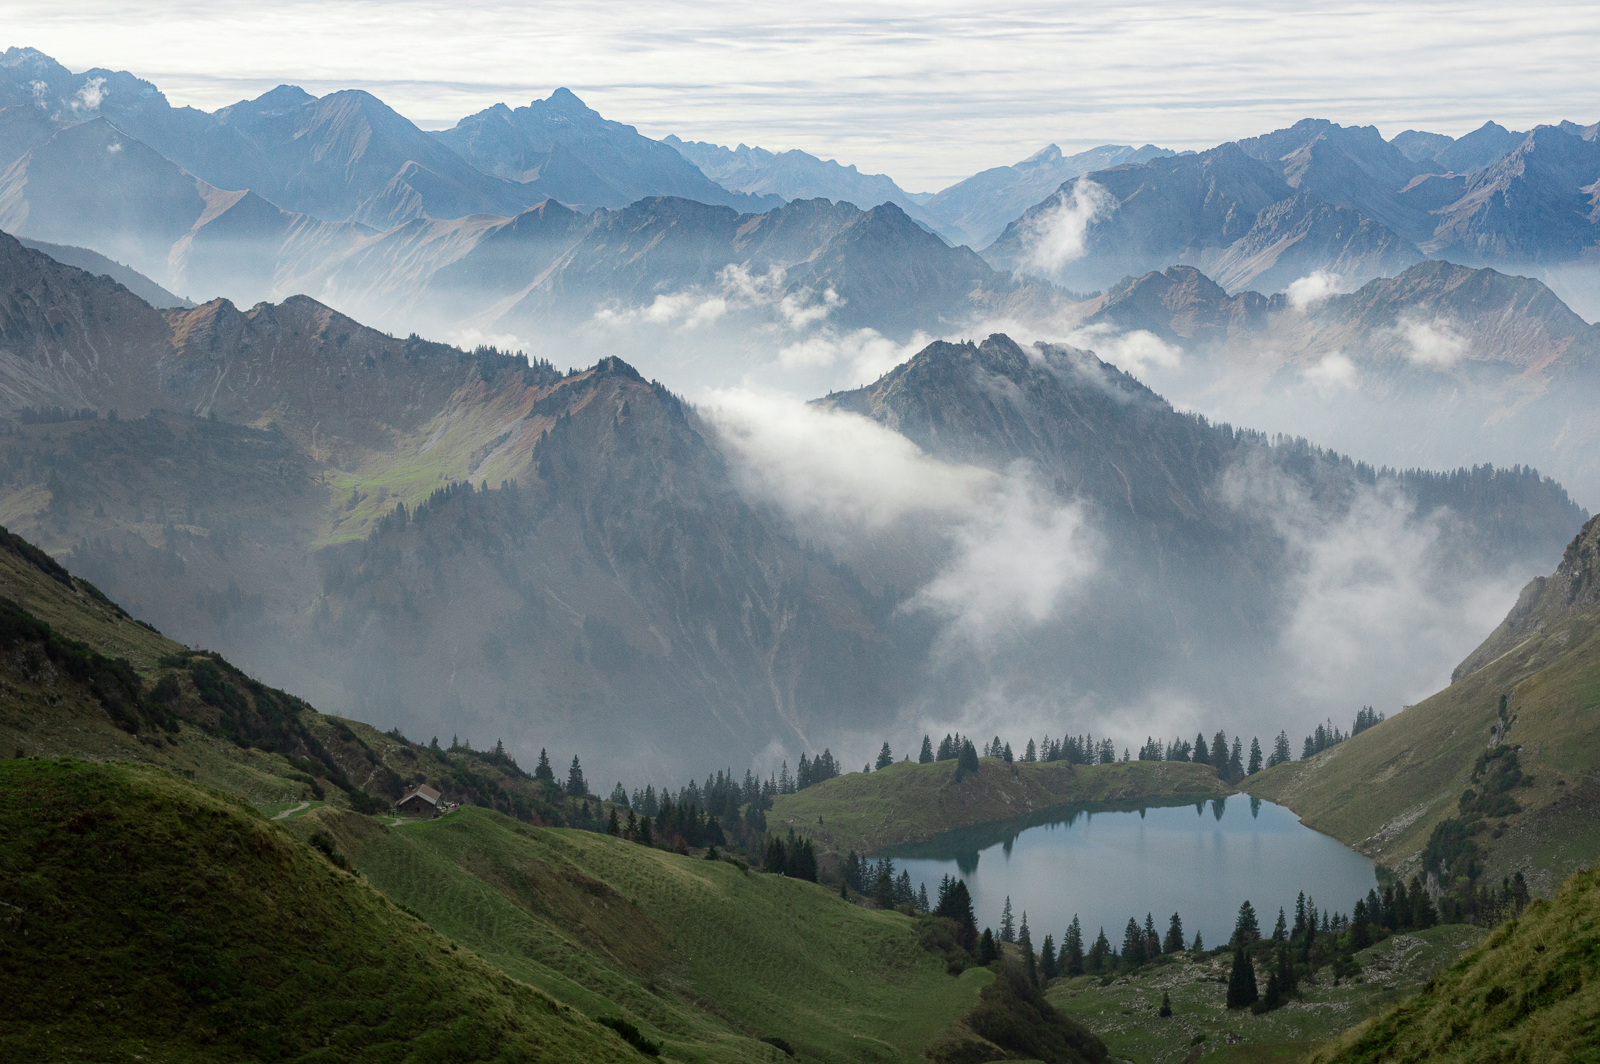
{"points": [[1530, 993], [908, 802], [703, 955], [266, 750], [143, 917], [1384, 790], [1124, 1012]]}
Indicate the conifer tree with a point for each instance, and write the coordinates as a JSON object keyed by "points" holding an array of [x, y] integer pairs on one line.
{"points": [[612, 826], [543, 771], [1006, 755], [1152, 941], [926, 757], [1280, 750], [1280, 931], [988, 952], [885, 758], [1300, 915], [922, 898], [1031, 752], [1072, 949], [1202, 753], [844, 888], [1246, 929], [619, 795], [644, 836], [1236, 761], [1099, 952], [1174, 940], [1166, 1005], [1132, 944], [1255, 756], [1199, 944], [1519, 895], [1048, 968], [576, 787], [1008, 924], [1242, 980], [883, 892], [1030, 963]]}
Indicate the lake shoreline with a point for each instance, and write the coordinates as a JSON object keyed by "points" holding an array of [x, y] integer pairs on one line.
{"points": [[905, 803]]}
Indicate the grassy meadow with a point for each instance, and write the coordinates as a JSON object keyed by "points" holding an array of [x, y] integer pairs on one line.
{"points": [[909, 802], [705, 956]]}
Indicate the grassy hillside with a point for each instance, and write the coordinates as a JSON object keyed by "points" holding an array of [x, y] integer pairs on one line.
{"points": [[1530, 993], [908, 802], [703, 955], [143, 917], [1124, 1011], [1387, 789], [198, 716]]}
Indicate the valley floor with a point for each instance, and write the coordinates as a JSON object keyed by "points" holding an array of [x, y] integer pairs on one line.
{"points": [[1123, 1012]]}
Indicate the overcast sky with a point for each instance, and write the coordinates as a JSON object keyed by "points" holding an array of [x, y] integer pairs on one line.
{"points": [[928, 93]]}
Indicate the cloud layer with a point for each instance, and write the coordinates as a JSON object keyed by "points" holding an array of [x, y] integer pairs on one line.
{"points": [[929, 95]]}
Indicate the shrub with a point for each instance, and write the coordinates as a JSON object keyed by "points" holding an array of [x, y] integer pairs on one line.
{"points": [[631, 1035], [778, 1043]]}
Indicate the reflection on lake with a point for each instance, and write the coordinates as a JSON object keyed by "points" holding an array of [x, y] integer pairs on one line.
{"points": [[1106, 864]]}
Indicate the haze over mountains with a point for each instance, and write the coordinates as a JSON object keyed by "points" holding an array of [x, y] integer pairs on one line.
{"points": [[420, 535], [956, 532]]}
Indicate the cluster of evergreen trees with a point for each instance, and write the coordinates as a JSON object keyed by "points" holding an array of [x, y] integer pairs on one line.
{"points": [[675, 827], [793, 857], [878, 881]]}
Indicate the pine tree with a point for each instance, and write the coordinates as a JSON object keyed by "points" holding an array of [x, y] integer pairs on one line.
{"points": [[1255, 756], [1174, 941], [1242, 980], [1048, 968], [1280, 750], [1099, 952], [1008, 925], [619, 795], [1246, 929], [1199, 944], [1300, 915], [988, 952], [1236, 761], [926, 757], [1166, 1005], [544, 771], [1219, 754], [576, 787], [1072, 949], [1030, 963], [1006, 754], [643, 832], [1152, 941], [885, 758], [1030, 752], [1202, 753], [1519, 894], [844, 888], [1280, 932], [612, 826], [1133, 944], [922, 898]]}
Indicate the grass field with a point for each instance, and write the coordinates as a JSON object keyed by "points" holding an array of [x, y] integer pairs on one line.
{"points": [[700, 954], [145, 918], [1124, 1012], [908, 802], [1384, 790], [1530, 993]]}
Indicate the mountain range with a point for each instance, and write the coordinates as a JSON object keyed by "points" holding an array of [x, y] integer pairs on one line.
{"points": [[1334, 199], [420, 534], [1439, 362]]}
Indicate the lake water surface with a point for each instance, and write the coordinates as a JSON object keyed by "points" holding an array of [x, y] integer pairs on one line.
{"points": [[1106, 864]]}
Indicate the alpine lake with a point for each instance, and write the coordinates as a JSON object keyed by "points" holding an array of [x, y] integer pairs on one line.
{"points": [[1104, 864]]}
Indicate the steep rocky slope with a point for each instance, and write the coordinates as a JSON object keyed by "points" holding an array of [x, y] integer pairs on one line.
{"points": [[1530, 686]]}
